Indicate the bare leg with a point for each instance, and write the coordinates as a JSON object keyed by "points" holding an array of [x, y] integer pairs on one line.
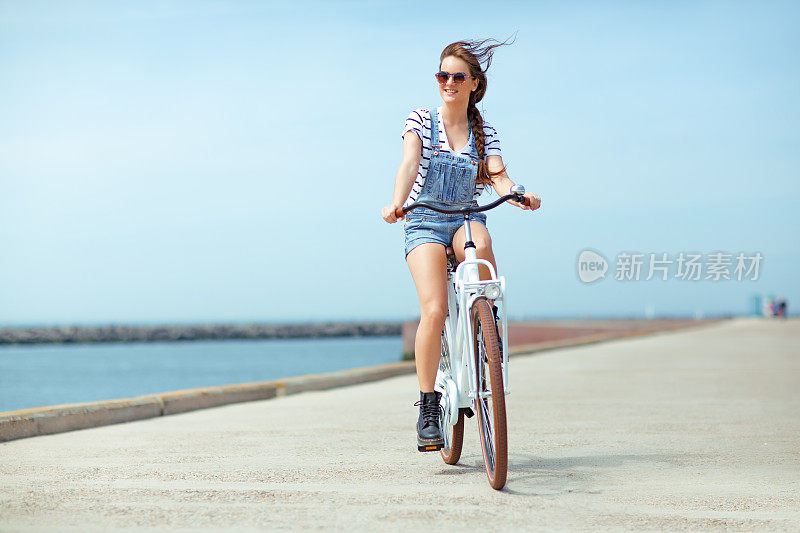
{"points": [[483, 245], [428, 263]]}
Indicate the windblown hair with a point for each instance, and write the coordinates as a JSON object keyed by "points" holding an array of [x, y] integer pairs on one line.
{"points": [[476, 53]]}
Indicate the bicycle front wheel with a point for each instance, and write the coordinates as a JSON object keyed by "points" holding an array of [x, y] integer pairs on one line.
{"points": [[491, 401]]}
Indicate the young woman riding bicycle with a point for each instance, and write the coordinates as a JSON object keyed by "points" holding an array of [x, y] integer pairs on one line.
{"points": [[449, 155]]}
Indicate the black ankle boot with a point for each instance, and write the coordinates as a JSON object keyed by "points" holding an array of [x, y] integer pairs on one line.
{"points": [[429, 434]]}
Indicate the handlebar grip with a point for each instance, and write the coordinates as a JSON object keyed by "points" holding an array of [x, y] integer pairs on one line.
{"points": [[524, 200], [399, 213]]}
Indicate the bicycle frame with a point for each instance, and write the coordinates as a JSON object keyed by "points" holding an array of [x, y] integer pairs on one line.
{"points": [[464, 286], [464, 377]]}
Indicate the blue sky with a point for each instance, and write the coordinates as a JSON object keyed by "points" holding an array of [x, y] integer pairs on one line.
{"points": [[227, 161]]}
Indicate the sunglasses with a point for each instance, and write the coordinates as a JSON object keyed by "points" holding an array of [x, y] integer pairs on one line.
{"points": [[458, 77]]}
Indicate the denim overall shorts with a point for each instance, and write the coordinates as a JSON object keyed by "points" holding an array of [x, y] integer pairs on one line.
{"points": [[450, 183]]}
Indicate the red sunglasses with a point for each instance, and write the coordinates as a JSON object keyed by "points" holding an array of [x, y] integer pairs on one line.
{"points": [[458, 77]]}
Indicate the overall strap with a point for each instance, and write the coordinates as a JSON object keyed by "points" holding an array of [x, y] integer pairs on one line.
{"points": [[435, 144]]}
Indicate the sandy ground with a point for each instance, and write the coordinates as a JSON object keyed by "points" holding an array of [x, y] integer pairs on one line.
{"points": [[687, 430]]}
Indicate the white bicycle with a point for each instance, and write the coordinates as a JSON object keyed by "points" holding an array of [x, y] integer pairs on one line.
{"points": [[473, 367]]}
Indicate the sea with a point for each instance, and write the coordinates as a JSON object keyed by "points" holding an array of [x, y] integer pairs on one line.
{"points": [[52, 374]]}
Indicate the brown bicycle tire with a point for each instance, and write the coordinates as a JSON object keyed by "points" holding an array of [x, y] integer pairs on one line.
{"points": [[495, 459]]}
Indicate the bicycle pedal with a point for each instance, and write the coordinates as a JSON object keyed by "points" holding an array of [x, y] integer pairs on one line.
{"points": [[468, 412], [430, 447]]}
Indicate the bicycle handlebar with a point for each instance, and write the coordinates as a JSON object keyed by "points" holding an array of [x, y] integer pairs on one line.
{"points": [[400, 212]]}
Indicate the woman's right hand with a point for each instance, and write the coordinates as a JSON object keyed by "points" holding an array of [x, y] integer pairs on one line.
{"points": [[388, 213]]}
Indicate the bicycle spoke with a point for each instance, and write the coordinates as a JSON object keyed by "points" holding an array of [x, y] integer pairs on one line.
{"points": [[485, 405], [488, 434], [487, 417], [452, 430]]}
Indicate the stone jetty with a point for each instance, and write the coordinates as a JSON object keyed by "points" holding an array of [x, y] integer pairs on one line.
{"points": [[116, 333]]}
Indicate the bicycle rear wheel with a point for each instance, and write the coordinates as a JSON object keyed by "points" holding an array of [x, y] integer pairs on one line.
{"points": [[491, 401], [453, 434]]}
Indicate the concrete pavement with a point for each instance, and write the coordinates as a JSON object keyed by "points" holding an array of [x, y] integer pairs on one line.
{"points": [[696, 429]]}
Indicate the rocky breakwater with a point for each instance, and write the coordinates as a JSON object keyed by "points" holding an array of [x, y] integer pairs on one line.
{"points": [[75, 334]]}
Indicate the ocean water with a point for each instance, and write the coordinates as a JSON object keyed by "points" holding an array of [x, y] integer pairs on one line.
{"points": [[52, 374]]}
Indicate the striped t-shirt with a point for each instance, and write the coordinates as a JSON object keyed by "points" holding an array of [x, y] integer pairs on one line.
{"points": [[419, 121]]}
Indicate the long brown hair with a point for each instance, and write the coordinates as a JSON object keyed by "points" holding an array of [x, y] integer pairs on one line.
{"points": [[474, 53]]}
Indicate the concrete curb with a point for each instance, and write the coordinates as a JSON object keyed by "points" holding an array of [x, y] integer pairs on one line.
{"points": [[343, 378], [69, 417], [60, 418], [46, 420], [181, 401]]}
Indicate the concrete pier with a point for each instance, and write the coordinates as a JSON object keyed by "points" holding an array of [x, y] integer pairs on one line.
{"points": [[681, 430]]}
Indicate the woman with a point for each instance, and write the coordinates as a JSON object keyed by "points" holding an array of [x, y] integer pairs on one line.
{"points": [[449, 155]]}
